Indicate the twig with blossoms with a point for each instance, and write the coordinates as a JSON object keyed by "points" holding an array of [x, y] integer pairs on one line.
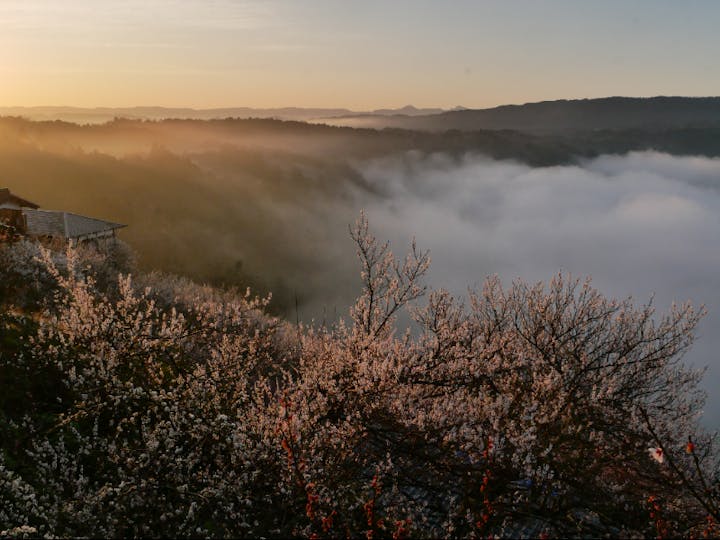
{"points": [[660, 455]]}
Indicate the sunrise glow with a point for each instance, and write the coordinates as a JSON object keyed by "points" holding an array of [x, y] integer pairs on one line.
{"points": [[357, 55]]}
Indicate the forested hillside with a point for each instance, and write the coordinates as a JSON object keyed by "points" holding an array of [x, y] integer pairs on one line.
{"points": [[261, 202]]}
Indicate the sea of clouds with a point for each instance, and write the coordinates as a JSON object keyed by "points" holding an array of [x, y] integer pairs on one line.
{"points": [[642, 224]]}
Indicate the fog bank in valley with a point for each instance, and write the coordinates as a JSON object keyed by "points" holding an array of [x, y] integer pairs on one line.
{"points": [[641, 224], [268, 204]]}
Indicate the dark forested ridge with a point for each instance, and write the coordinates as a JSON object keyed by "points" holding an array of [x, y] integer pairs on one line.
{"points": [[123, 136]]}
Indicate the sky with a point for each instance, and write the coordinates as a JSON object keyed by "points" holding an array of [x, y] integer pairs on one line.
{"points": [[358, 55]]}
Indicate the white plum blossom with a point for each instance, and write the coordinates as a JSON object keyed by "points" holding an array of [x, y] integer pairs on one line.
{"points": [[657, 454]]}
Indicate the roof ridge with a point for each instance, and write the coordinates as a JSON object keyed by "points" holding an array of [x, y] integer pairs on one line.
{"points": [[66, 213], [66, 224]]}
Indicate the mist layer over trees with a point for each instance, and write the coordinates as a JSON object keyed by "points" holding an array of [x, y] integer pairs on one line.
{"points": [[266, 204]]}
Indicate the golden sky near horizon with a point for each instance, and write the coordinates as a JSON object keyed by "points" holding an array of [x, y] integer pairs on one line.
{"points": [[313, 53]]}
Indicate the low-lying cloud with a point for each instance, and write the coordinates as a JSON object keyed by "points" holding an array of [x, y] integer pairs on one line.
{"points": [[268, 205], [641, 224]]}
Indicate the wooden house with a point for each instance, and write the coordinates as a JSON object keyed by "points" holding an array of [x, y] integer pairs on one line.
{"points": [[29, 220], [11, 207]]}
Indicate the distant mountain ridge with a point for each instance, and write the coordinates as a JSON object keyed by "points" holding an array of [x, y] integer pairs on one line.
{"points": [[544, 117], [660, 112], [96, 115]]}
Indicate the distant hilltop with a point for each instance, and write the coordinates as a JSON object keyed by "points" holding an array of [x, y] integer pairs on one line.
{"points": [[612, 113]]}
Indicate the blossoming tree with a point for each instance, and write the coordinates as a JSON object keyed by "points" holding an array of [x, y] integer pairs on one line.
{"points": [[153, 406]]}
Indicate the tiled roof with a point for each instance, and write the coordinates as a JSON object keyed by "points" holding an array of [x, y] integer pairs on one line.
{"points": [[64, 224]]}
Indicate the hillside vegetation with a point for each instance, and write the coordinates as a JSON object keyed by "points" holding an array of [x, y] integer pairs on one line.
{"points": [[137, 404]]}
